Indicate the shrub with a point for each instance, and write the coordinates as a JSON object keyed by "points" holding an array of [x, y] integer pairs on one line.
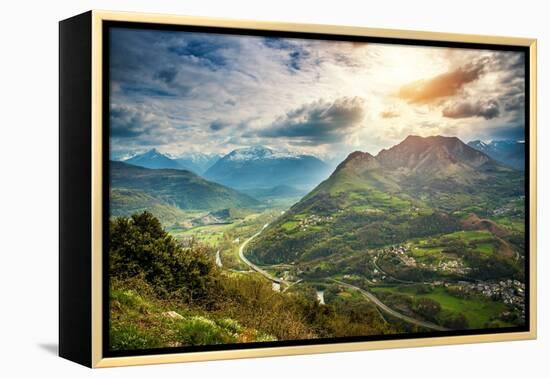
{"points": [[129, 336], [198, 330], [427, 308], [456, 321]]}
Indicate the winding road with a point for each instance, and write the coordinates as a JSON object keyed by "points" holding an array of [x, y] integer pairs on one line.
{"points": [[254, 266], [377, 302], [390, 311]]}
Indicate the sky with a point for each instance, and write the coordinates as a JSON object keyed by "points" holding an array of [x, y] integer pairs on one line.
{"points": [[183, 92]]}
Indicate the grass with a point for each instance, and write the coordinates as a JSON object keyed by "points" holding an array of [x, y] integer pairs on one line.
{"points": [[485, 248], [426, 251], [230, 258], [478, 241], [139, 322], [512, 224], [469, 235], [478, 310], [289, 225], [211, 234]]}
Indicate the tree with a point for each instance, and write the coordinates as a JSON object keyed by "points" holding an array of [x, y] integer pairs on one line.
{"points": [[427, 308], [456, 321], [139, 247]]}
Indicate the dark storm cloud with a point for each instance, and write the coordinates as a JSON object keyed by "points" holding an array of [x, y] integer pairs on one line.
{"points": [[145, 91], [278, 43], [218, 125], [154, 62], [512, 80], [167, 75], [445, 85], [126, 122], [296, 58], [141, 124], [512, 62], [207, 49], [296, 51], [319, 122], [135, 52], [514, 99], [486, 109], [140, 66]]}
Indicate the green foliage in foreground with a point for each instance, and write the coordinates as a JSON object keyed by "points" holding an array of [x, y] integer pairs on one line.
{"points": [[140, 247], [163, 294], [142, 322]]}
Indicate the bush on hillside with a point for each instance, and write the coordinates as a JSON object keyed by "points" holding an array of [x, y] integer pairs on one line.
{"points": [[140, 247]]}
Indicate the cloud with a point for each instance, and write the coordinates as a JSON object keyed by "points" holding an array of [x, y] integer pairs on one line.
{"points": [[295, 53], [167, 75], [218, 125], [486, 109], [192, 91], [387, 114], [209, 50], [125, 122], [440, 86], [146, 91], [140, 123], [319, 122]]}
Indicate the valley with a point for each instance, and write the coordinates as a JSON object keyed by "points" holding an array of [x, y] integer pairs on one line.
{"points": [[424, 213], [424, 237]]}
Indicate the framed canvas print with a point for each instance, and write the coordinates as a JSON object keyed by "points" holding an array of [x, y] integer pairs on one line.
{"points": [[235, 189]]}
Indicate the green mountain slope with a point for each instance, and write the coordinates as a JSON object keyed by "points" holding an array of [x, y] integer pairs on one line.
{"points": [[125, 202], [179, 188], [421, 187]]}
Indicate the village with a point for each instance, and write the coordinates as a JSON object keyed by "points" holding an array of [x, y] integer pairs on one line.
{"points": [[403, 252], [509, 292], [313, 220]]}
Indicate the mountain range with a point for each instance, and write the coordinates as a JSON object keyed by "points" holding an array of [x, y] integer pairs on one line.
{"points": [[154, 159], [256, 168], [419, 187], [260, 167], [180, 188], [197, 162], [508, 152]]}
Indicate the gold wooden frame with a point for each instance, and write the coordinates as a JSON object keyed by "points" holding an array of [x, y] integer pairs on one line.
{"points": [[97, 233]]}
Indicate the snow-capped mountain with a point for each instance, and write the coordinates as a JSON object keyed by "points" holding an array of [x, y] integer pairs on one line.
{"points": [[508, 152], [260, 152], [122, 155], [153, 159], [197, 161], [263, 167]]}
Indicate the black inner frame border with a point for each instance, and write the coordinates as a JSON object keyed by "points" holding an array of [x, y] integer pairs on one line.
{"points": [[106, 27]]}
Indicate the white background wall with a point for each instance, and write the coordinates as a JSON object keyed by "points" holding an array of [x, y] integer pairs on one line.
{"points": [[28, 209]]}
